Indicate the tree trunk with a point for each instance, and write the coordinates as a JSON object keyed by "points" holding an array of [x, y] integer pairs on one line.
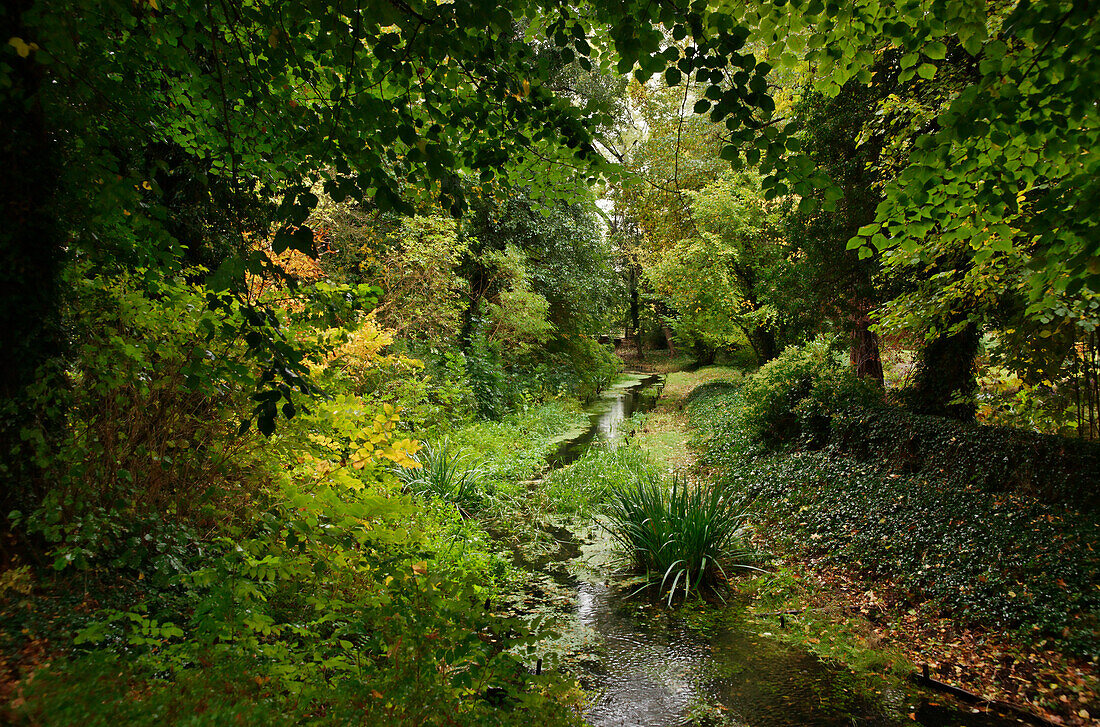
{"points": [[635, 325], [668, 340], [945, 379], [864, 356]]}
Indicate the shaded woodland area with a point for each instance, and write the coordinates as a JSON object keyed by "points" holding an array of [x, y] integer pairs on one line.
{"points": [[297, 300]]}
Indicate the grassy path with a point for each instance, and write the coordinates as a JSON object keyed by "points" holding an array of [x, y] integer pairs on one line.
{"points": [[667, 432]]}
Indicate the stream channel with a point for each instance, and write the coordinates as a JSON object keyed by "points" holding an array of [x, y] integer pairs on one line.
{"points": [[648, 666]]}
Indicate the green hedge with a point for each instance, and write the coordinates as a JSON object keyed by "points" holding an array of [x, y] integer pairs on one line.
{"points": [[995, 459]]}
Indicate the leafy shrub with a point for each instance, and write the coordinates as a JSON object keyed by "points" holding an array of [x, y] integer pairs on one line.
{"points": [[295, 562], [681, 537], [994, 459], [792, 399], [151, 452]]}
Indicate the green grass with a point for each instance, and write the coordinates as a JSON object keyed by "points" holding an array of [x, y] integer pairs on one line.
{"points": [[682, 537], [515, 449], [589, 482], [446, 473]]}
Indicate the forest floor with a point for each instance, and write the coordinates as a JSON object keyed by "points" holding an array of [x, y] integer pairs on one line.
{"points": [[869, 624]]}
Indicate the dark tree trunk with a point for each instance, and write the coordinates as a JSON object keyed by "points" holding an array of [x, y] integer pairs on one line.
{"points": [[32, 253], [668, 339], [864, 356], [945, 378], [635, 325], [764, 343]]}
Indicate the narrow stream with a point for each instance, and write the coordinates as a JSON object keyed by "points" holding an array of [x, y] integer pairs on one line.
{"points": [[648, 666]]}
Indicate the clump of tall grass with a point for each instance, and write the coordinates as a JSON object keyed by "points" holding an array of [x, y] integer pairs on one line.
{"points": [[447, 473], [682, 537], [599, 472]]}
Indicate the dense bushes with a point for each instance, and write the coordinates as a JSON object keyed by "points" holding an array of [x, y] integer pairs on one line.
{"points": [[790, 401], [995, 459], [805, 399], [983, 552], [505, 382]]}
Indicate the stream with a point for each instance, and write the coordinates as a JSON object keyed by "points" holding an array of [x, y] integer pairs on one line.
{"points": [[645, 665]]}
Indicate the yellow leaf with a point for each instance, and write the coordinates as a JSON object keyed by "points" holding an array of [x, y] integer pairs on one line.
{"points": [[420, 568], [21, 46]]}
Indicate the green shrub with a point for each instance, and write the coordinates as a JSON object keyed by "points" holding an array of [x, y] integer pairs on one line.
{"points": [[682, 537], [151, 451], [994, 459], [792, 399]]}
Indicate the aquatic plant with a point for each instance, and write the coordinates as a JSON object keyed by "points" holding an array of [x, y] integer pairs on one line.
{"points": [[685, 535], [445, 472]]}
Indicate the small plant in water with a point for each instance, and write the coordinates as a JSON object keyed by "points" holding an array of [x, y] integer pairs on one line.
{"points": [[685, 535], [445, 473]]}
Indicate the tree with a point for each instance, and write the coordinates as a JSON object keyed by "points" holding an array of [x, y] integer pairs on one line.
{"points": [[840, 284], [725, 282]]}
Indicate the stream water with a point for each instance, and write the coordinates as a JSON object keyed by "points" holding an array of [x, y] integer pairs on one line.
{"points": [[648, 666]]}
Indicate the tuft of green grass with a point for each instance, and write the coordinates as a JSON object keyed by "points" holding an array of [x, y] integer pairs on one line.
{"points": [[447, 473], [683, 537]]}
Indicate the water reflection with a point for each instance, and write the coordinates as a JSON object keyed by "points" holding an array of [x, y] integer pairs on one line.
{"points": [[608, 416]]}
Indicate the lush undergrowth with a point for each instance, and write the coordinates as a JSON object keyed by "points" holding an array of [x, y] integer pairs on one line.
{"points": [[184, 570], [515, 448], [682, 535], [1003, 559]]}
